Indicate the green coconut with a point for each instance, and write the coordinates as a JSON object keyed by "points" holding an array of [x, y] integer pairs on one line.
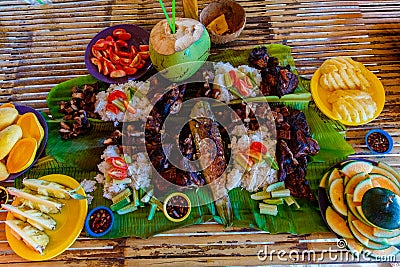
{"points": [[178, 56]]}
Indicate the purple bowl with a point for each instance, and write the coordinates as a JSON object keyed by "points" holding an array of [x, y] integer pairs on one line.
{"points": [[139, 37], [23, 110]]}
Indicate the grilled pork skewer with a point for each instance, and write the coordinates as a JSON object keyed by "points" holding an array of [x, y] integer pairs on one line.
{"points": [[203, 127]]}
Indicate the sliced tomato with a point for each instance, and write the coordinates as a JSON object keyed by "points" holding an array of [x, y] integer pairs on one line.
{"points": [[125, 55], [242, 88], [98, 64], [144, 54], [124, 36], [129, 70], [117, 174], [117, 162], [144, 48], [112, 108], [116, 94], [258, 147], [118, 31], [122, 43], [96, 53], [109, 38], [117, 73], [135, 62], [133, 50]]}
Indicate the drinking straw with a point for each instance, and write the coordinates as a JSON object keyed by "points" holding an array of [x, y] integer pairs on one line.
{"points": [[166, 15], [173, 16]]}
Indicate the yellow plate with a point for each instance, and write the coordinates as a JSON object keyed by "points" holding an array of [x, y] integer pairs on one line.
{"points": [[320, 97], [69, 224]]}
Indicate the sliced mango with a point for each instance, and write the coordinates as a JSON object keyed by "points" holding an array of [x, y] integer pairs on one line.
{"points": [[22, 155], [31, 126]]}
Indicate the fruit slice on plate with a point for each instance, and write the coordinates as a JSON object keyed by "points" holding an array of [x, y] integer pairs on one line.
{"points": [[387, 167], [337, 223], [22, 155], [390, 251], [354, 181], [368, 232], [336, 195], [384, 182], [386, 173], [31, 126], [386, 233], [354, 246], [361, 188], [354, 167], [352, 206], [364, 240]]}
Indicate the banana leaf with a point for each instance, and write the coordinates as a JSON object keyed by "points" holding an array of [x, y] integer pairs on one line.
{"points": [[72, 157]]}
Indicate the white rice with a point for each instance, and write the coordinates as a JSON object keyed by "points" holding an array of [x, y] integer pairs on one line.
{"points": [[142, 105], [88, 185]]}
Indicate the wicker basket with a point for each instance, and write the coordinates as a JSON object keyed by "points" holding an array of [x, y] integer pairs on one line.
{"points": [[235, 18]]}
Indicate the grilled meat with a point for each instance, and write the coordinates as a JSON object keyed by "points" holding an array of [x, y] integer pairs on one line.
{"points": [[293, 148]]}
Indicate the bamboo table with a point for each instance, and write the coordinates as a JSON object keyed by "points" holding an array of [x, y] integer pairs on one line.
{"points": [[41, 46]]}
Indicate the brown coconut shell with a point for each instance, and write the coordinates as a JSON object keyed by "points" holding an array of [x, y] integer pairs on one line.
{"points": [[235, 17]]}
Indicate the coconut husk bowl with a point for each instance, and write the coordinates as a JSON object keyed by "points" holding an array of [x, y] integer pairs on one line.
{"points": [[235, 17]]}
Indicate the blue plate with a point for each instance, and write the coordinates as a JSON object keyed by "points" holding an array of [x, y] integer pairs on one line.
{"points": [[42, 146]]}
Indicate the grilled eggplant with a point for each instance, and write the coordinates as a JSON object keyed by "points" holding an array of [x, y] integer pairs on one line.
{"points": [[33, 237], [34, 217], [203, 127], [33, 200]]}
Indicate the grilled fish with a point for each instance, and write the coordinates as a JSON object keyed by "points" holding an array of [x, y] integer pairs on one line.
{"points": [[203, 127]]}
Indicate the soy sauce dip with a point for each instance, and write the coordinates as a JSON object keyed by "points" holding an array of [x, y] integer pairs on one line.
{"points": [[379, 141]]}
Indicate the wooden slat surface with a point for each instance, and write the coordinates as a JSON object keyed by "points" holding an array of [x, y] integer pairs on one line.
{"points": [[41, 46]]}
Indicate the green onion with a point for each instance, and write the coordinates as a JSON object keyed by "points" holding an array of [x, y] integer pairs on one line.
{"points": [[260, 195], [280, 193], [152, 212], [276, 186]]}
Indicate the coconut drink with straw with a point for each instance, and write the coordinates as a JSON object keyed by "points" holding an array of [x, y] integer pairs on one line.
{"points": [[178, 47]]}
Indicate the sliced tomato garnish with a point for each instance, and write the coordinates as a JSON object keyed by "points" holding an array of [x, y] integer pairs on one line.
{"points": [[258, 147], [117, 174], [109, 38], [116, 94], [118, 31], [242, 88], [144, 48], [124, 36], [117, 162], [135, 62], [112, 108], [125, 61]]}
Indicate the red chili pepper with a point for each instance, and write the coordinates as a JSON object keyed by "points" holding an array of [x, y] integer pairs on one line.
{"points": [[116, 94], [117, 162], [124, 36], [259, 147], [118, 31], [110, 107], [117, 174]]}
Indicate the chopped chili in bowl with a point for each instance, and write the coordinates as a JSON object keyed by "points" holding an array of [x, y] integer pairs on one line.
{"points": [[379, 141], [99, 221]]}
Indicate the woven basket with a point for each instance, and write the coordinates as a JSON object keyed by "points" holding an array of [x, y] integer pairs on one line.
{"points": [[235, 17]]}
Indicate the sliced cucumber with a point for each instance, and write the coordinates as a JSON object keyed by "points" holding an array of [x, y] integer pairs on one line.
{"points": [[275, 186], [261, 195]]}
